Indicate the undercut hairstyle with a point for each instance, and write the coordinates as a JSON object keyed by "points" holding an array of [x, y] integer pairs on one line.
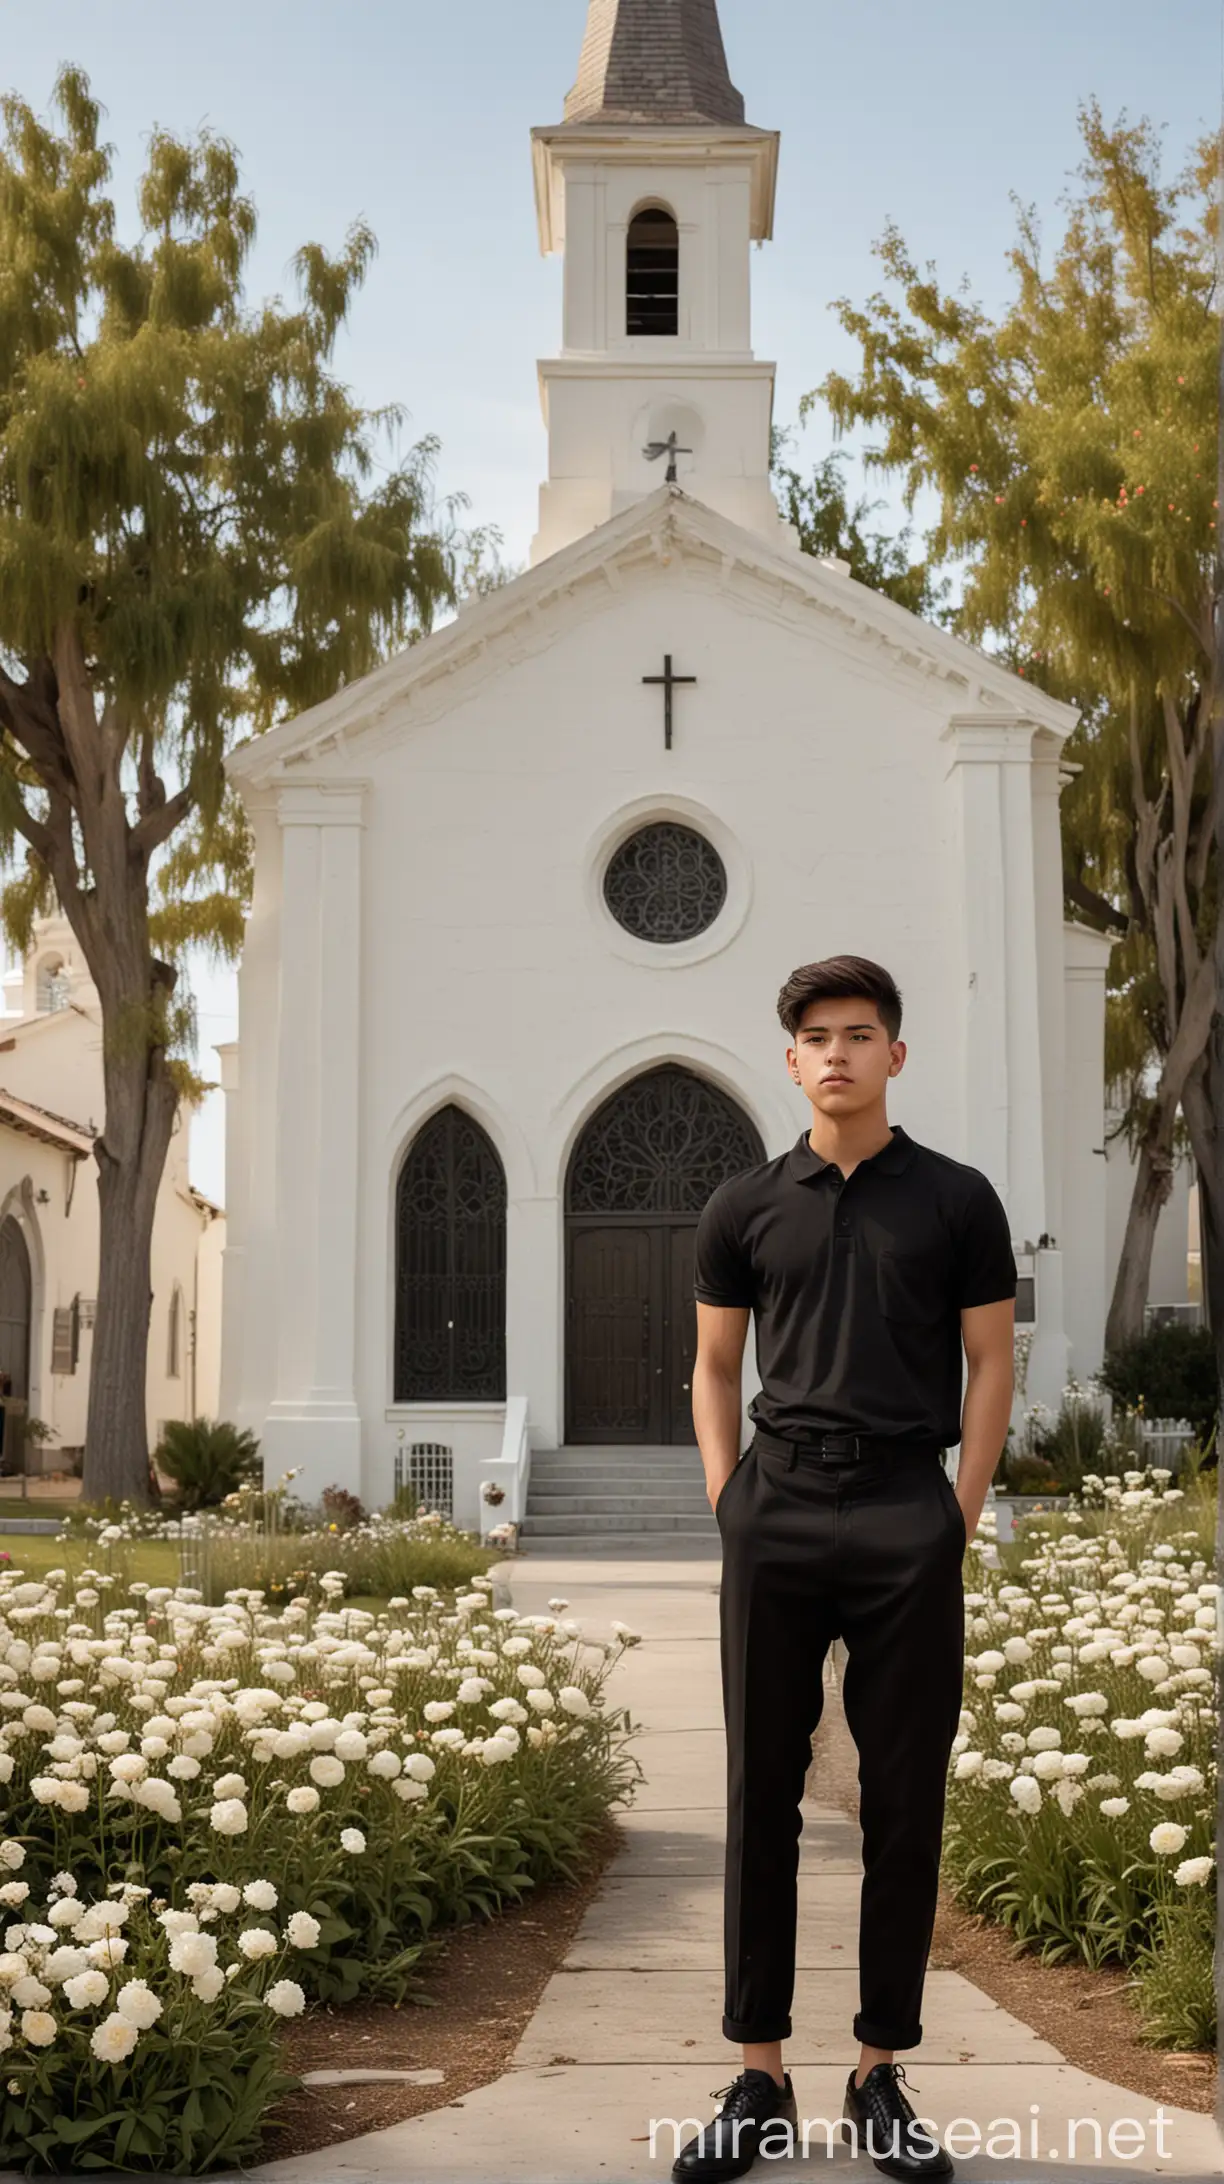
{"points": [[841, 978]]}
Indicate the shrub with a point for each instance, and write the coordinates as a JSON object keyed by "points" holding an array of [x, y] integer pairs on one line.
{"points": [[1081, 1804], [342, 1508], [207, 1459], [1171, 1371]]}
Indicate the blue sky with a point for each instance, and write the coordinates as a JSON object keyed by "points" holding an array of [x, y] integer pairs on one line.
{"points": [[415, 116]]}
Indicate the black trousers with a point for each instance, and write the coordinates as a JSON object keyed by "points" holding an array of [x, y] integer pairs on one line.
{"points": [[870, 1549]]}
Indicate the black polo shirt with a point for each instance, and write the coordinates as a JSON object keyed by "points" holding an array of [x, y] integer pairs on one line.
{"points": [[856, 1285]]}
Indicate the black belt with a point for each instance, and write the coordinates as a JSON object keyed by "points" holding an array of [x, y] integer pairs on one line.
{"points": [[847, 1448]]}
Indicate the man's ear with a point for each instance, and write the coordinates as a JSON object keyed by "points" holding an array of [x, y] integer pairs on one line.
{"points": [[897, 1052]]}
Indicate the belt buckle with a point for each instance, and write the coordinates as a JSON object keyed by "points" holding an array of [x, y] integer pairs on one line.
{"points": [[833, 1445]]}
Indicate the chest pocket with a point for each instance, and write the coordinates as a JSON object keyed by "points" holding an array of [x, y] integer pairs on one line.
{"points": [[913, 1286]]}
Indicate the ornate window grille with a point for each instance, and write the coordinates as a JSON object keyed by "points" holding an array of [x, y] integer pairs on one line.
{"points": [[666, 883], [450, 1265], [660, 1145], [425, 1472]]}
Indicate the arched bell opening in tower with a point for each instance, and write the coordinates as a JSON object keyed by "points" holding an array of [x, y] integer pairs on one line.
{"points": [[652, 272]]}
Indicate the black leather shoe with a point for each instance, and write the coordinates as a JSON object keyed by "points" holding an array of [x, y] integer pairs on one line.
{"points": [[729, 2145], [888, 2129]]}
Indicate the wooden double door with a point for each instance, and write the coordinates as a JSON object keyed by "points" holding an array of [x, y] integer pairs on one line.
{"points": [[632, 1334], [638, 1179]]}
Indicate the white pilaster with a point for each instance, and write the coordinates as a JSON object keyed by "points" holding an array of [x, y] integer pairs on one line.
{"points": [[233, 1299], [313, 1424], [1085, 1168], [249, 1351], [991, 765]]}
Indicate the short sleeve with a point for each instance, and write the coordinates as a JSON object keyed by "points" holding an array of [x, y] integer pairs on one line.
{"points": [[986, 1272], [721, 1274]]}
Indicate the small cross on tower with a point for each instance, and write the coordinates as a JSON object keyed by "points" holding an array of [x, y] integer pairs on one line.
{"points": [[669, 683]]}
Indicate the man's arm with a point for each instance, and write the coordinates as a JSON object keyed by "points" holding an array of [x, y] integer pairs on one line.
{"points": [[718, 1405], [987, 1333]]}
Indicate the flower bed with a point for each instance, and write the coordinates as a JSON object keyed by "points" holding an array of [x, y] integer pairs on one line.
{"points": [[1081, 1804], [355, 1779]]}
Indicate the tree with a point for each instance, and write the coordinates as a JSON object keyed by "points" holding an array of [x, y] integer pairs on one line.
{"points": [[189, 543], [830, 529], [1069, 445]]}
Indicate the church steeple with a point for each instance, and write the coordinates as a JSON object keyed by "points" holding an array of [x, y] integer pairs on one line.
{"points": [[654, 60], [655, 188]]}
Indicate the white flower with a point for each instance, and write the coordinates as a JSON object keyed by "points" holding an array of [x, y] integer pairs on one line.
{"points": [[969, 1763], [574, 1700], [384, 1765], [1114, 1807], [157, 1796], [261, 1895], [1153, 1667], [1192, 1872], [30, 1993], [38, 2027], [420, 1766], [303, 1931], [303, 1800], [193, 1954], [408, 1790], [352, 1840], [86, 1990], [327, 1770], [1026, 1792], [12, 1856], [114, 2038], [541, 1702], [229, 1816], [530, 1677], [183, 1767], [1163, 1743], [108, 1949], [1084, 1703], [1044, 1740], [1167, 1837], [223, 1896], [472, 1690], [229, 1785], [178, 1922], [350, 1744], [508, 1710], [137, 2002], [494, 1751], [206, 1986], [437, 1709], [257, 1942], [286, 1998], [1048, 1765]]}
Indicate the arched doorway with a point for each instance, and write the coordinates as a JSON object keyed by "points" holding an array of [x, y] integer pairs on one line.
{"points": [[16, 1292], [638, 1178], [450, 1265]]}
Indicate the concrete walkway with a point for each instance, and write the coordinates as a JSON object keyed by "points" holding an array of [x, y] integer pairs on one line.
{"points": [[629, 2028]]}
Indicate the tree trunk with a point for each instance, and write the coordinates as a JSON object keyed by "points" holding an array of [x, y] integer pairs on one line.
{"points": [[141, 1099], [1153, 1184]]}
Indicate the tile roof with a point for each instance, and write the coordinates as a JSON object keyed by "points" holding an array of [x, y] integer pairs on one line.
{"points": [[654, 61]]}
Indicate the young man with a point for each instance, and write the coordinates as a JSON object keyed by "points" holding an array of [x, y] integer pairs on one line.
{"points": [[867, 1261]]}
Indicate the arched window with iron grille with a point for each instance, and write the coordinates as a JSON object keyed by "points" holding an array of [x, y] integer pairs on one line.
{"points": [[450, 1265], [652, 273]]}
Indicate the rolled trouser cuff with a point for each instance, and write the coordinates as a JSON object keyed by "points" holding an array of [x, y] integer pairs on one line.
{"points": [[880, 2035], [767, 2028]]}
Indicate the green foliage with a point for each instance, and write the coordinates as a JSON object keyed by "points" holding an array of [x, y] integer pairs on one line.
{"points": [[207, 1458], [1069, 445], [830, 529], [1175, 1975], [1170, 1371]]}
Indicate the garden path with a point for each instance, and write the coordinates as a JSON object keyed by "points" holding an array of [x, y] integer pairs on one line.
{"points": [[629, 2026]]}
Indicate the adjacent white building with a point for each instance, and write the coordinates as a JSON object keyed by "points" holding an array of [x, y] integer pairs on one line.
{"points": [[524, 896], [51, 1109]]}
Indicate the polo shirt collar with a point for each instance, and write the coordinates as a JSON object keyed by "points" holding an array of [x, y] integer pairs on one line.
{"points": [[805, 1165]]}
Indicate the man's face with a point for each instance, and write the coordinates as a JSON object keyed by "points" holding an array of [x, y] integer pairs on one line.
{"points": [[842, 1056]]}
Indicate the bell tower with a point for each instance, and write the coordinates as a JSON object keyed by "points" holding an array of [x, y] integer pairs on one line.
{"points": [[654, 189]]}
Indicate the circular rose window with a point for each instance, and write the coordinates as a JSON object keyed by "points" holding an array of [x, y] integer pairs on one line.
{"points": [[666, 883]]}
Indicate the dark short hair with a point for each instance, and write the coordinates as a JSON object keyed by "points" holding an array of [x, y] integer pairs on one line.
{"points": [[841, 978]]}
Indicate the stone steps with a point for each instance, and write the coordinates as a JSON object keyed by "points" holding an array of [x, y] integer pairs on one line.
{"points": [[622, 1498]]}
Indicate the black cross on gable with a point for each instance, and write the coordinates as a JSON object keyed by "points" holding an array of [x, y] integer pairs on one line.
{"points": [[669, 682]]}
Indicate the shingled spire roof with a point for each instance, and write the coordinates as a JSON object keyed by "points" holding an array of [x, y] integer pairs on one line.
{"points": [[659, 61]]}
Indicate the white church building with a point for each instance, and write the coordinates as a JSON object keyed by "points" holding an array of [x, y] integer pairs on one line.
{"points": [[525, 895]]}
